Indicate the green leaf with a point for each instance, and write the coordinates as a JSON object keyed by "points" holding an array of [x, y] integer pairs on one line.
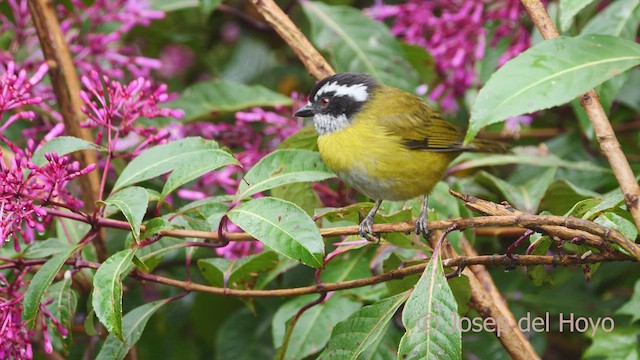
{"points": [[469, 161], [350, 265], [133, 325], [351, 337], [133, 203], [632, 307], [550, 74], [107, 290], [283, 167], [301, 194], [239, 273], [569, 9], [208, 6], [63, 308], [610, 201], [208, 97], [614, 221], [562, 194], [305, 139], [283, 227], [360, 44], [40, 283], [164, 158], [428, 315], [538, 274], [245, 336], [63, 145], [196, 165], [45, 248], [313, 329], [620, 18], [621, 343], [525, 197], [173, 5]]}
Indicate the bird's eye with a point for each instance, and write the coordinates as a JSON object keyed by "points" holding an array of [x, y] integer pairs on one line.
{"points": [[324, 101]]}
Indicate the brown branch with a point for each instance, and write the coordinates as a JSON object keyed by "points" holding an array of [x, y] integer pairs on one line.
{"points": [[499, 260], [560, 227], [601, 125], [66, 87], [315, 63]]}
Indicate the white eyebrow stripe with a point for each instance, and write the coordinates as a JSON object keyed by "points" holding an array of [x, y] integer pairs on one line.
{"points": [[356, 91]]}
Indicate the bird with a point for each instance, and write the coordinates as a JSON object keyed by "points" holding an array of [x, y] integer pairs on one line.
{"points": [[385, 142]]}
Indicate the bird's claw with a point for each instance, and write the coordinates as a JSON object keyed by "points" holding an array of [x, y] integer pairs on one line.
{"points": [[366, 230], [421, 226]]}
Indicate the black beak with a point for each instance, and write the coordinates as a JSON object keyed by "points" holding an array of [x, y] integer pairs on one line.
{"points": [[305, 111]]}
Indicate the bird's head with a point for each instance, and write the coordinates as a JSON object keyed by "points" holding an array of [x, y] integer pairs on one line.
{"points": [[336, 99]]}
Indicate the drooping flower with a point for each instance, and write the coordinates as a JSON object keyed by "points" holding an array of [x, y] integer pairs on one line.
{"points": [[456, 34]]}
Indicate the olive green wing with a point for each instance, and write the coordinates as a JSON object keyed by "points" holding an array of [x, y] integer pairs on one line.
{"points": [[422, 128]]}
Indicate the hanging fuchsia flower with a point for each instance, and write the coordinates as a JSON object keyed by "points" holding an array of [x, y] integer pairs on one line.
{"points": [[455, 33], [114, 106]]}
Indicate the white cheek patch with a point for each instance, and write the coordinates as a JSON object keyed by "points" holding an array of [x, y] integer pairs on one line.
{"points": [[326, 123], [356, 91]]}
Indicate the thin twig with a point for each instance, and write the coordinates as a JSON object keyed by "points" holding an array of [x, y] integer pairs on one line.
{"points": [[66, 87], [315, 63], [601, 125]]}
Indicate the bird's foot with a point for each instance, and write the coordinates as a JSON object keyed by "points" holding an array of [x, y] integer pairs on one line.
{"points": [[366, 230], [421, 225]]}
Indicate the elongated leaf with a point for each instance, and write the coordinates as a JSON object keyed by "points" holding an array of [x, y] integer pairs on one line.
{"points": [[195, 166], [360, 44], [46, 248], [40, 283], [428, 315], [133, 325], [469, 161], [164, 158], [63, 145], [362, 329], [283, 227], [569, 9], [550, 74], [313, 329], [283, 167], [525, 196], [173, 5], [237, 273], [133, 203], [216, 96], [620, 18], [632, 307], [107, 290]]}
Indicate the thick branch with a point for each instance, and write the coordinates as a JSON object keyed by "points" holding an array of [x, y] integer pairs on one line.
{"points": [[601, 125], [66, 87], [310, 57]]}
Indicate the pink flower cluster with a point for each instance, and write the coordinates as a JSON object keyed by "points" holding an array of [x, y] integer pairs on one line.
{"points": [[24, 186], [115, 107], [15, 92], [15, 338], [456, 32]]}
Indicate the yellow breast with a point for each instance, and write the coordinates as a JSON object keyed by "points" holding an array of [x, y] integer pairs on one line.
{"points": [[378, 165]]}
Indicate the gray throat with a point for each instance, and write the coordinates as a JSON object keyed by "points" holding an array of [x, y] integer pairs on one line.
{"points": [[326, 124]]}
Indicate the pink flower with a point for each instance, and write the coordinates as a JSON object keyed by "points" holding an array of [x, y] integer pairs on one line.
{"points": [[175, 60], [455, 33], [114, 106], [15, 92]]}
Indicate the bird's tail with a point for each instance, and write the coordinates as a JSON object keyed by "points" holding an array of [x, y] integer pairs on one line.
{"points": [[488, 146]]}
